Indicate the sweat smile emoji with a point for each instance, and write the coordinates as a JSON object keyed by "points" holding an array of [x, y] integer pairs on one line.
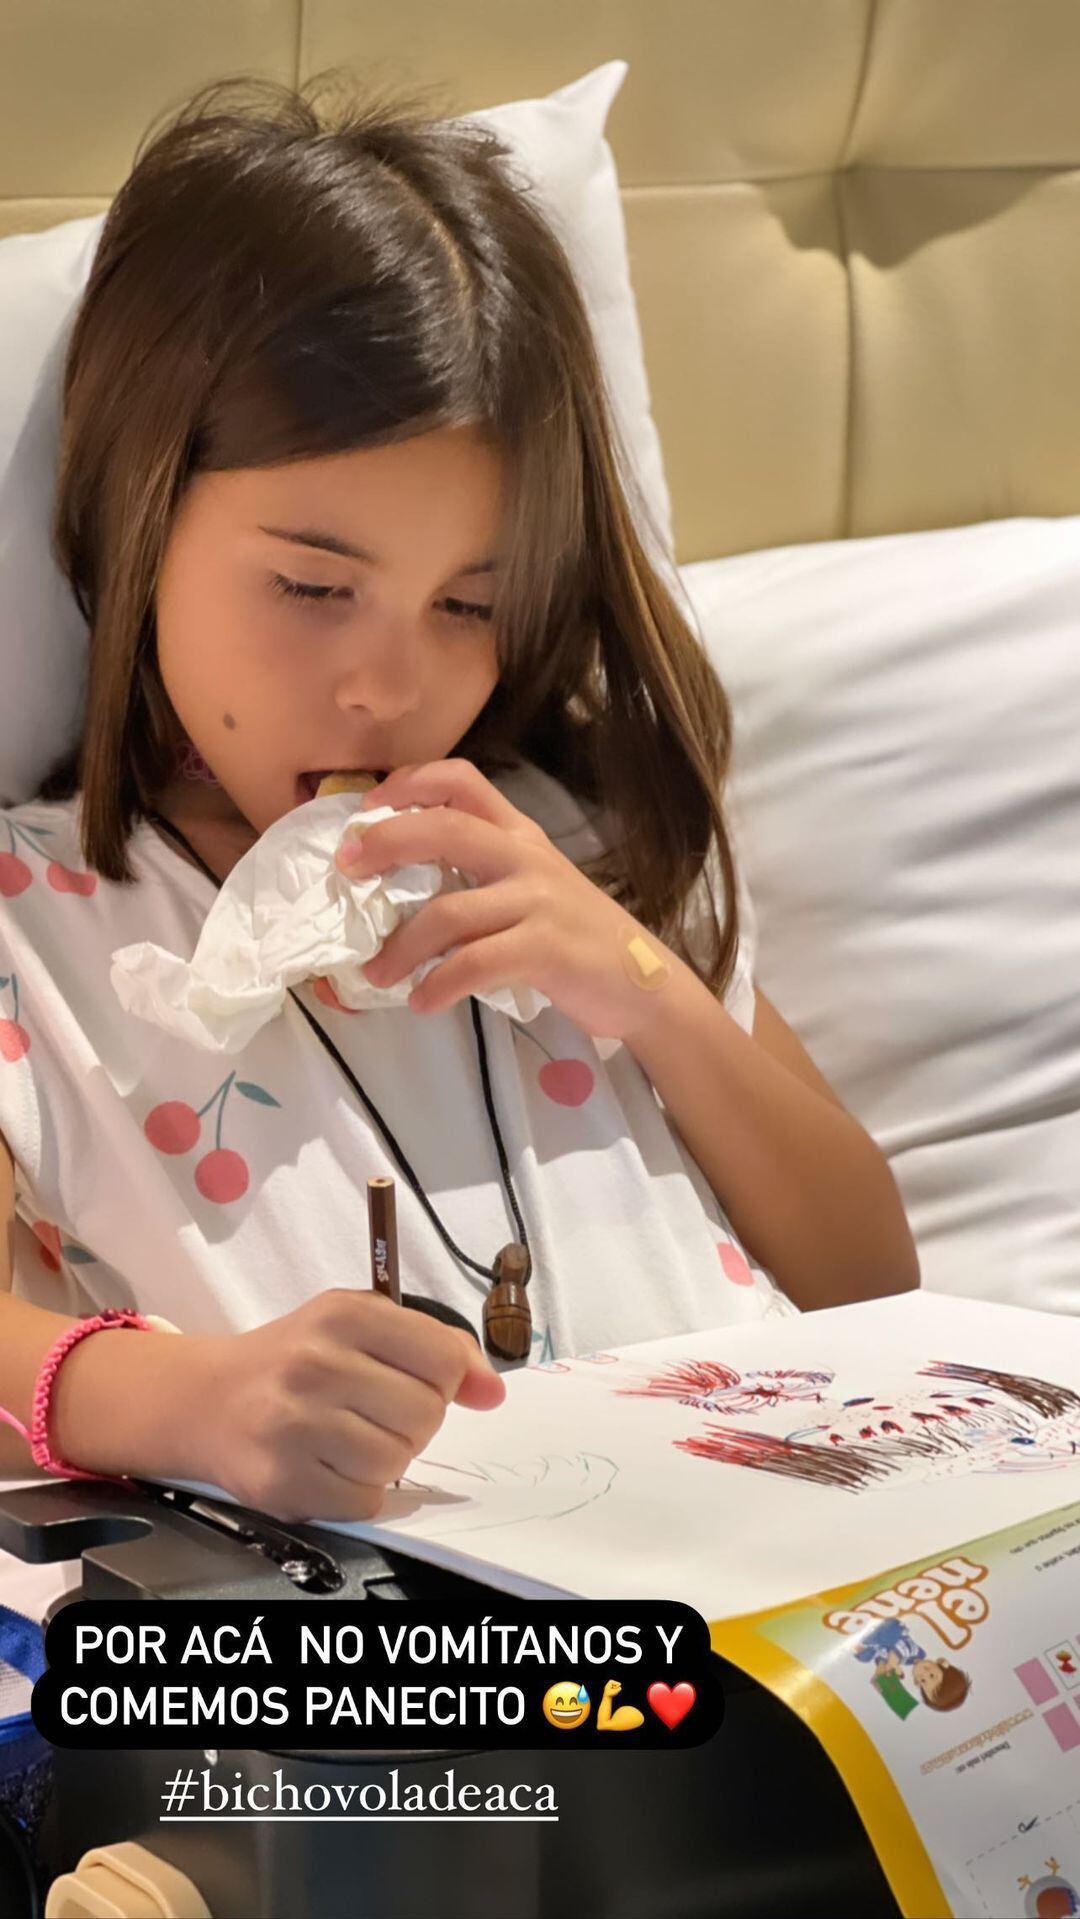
{"points": [[566, 1705]]}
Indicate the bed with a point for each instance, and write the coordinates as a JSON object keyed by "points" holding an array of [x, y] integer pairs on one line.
{"points": [[853, 243], [851, 392]]}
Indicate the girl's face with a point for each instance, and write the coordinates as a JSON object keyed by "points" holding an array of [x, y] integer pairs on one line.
{"points": [[385, 660]]}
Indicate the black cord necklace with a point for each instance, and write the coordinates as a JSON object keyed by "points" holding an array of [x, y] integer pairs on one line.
{"points": [[507, 1317]]}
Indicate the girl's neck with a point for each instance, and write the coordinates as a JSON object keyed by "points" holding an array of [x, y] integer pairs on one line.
{"points": [[208, 819]]}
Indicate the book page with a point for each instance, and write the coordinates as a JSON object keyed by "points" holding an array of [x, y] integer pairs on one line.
{"points": [[746, 1467]]}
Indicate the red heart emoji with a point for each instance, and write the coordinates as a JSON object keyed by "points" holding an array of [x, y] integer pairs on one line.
{"points": [[671, 1703]]}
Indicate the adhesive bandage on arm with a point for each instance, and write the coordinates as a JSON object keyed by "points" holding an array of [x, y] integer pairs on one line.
{"points": [[647, 965]]}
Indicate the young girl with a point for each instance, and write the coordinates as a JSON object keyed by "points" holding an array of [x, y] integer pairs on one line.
{"points": [[338, 491]]}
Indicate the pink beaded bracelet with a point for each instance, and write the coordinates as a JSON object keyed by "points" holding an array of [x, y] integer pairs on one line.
{"points": [[37, 1434]]}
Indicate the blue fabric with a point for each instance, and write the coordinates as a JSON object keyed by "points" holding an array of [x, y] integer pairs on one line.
{"points": [[22, 1643], [22, 1652]]}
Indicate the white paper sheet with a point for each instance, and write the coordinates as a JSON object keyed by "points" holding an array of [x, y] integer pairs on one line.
{"points": [[577, 1486]]}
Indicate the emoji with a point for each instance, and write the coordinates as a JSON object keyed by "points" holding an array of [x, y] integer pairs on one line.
{"points": [[671, 1703], [623, 1719], [566, 1704]]}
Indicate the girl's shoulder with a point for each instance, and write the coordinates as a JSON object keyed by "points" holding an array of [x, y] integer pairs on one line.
{"points": [[60, 924], [49, 900], [57, 915], [39, 841]]}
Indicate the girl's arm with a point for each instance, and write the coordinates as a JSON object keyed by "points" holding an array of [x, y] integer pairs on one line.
{"points": [[107, 1411], [310, 1416], [803, 1184], [110, 1394]]}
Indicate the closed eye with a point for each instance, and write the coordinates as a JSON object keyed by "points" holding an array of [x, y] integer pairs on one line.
{"points": [[312, 596], [467, 610]]}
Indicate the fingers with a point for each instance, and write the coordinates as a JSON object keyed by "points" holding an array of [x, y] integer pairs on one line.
{"points": [[413, 1343], [457, 783], [476, 846], [363, 1452], [332, 1461], [448, 920], [408, 1410], [481, 1388], [483, 966], [322, 1493], [330, 1403]]}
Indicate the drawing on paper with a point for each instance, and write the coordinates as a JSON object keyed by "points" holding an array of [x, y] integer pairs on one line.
{"points": [[547, 1486], [1005, 1422], [715, 1388]]}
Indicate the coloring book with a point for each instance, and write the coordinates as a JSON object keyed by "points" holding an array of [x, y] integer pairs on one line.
{"points": [[947, 1694], [746, 1467]]}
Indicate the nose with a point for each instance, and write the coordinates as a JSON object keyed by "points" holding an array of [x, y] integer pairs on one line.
{"points": [[383, 673]]}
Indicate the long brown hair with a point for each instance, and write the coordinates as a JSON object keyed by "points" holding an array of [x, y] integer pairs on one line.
{"points": [[277, 282]]}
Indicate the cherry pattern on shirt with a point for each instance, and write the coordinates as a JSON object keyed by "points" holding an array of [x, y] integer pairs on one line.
{"points": [[221, 1175], [16, 875], [735, 1263], [568, 1082], [52, 1247], [14, 1046], [14, 1039]]}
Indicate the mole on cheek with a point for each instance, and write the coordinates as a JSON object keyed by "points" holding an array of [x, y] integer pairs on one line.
{"points": [[229, 721]]}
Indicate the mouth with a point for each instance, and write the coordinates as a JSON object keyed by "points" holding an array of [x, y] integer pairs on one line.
{"points": [[307, 784]]}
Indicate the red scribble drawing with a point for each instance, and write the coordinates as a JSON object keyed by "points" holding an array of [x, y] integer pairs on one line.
{"points": [[1012, 1423], [714, 1388]]}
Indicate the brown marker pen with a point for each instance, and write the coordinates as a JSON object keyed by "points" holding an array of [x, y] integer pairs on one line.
{"points": [[382, 1227], [382, 1232]]}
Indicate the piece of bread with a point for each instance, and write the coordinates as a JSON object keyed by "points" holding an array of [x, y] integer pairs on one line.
{"points": [[346, 783]]}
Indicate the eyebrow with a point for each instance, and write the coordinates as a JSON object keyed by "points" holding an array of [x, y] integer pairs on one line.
{"points": [[330, 543]]}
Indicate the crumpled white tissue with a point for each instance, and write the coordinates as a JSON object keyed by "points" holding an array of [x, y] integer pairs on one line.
{"points": [[285, 914]]}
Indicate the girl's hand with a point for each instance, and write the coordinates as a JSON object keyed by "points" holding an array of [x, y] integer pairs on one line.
{"points": [[313, 1415], [531, 918]]}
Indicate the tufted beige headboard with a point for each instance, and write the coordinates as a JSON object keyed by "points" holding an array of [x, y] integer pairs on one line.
{"points": [[854, 224]]}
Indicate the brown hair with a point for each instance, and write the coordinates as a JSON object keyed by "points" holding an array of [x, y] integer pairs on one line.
{"points": [[949, 1691], [274, 282]]}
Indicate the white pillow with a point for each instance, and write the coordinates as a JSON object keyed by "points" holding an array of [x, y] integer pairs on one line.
{"points": [[907, 767], [559, 146], [558, 143], [42, 632]]}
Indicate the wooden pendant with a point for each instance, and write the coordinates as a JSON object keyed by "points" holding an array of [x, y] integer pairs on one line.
{"points": [[507, 1315]]}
